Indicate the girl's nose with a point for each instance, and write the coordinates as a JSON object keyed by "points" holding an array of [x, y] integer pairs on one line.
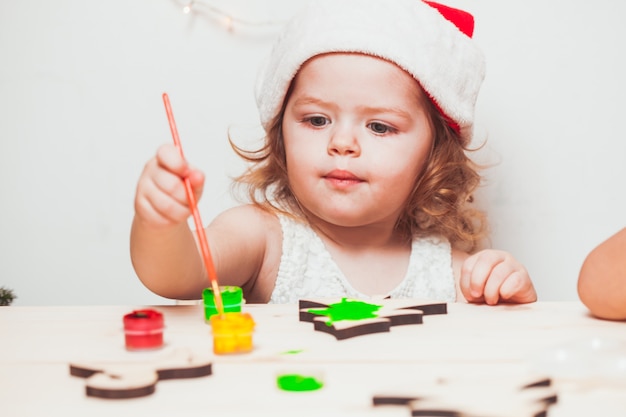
{"points": [[344, 142]]}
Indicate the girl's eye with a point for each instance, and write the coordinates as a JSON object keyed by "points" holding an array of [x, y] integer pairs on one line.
{"points": [[317, 121], [380, 128]]}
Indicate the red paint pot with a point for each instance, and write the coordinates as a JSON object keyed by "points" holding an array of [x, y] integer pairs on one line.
{"points": [[143, 329]]}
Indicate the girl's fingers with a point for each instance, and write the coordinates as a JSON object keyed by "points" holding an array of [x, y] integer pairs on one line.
{"points": [[196, 178], [498, 277], [159, 208], [168, 157], [479, 268], [161, 199], [518, 288], [170, 160], [171, 185], [493, 276], [466, 276], [174, 209]]}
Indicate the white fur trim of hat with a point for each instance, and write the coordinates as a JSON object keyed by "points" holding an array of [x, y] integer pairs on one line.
{"points": [[430, 41]]}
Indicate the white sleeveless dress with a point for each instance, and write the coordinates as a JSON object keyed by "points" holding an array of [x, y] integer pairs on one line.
{"points": [[307, 269]]}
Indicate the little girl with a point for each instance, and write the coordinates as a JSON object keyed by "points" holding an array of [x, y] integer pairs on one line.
{"points": [[363, 186]]}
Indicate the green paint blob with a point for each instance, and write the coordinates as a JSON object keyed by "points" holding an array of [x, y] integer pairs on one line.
{"points": [[347, 310], [296, 382], [293, 352]]}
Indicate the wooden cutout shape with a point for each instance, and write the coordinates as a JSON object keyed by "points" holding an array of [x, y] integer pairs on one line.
{"points": [[393, 312], [119, 380], [524, 396], [121, 385]]}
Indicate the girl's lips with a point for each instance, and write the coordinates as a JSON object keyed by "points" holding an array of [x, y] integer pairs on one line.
{"points": [[341, 178], [342, 175]]}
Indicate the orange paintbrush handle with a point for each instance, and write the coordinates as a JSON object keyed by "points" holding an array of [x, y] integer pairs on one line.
{"points": [[204, 245]]}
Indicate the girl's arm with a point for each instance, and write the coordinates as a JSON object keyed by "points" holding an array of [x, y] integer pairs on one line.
{"points": [[163, 248], [244, 243], [166, 260], [602, 279]]}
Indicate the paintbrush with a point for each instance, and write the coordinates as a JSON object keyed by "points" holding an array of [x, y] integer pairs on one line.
{"points": [[204, 245]]}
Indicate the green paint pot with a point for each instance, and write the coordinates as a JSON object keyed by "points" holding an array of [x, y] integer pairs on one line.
{"points": [[232, 298]]}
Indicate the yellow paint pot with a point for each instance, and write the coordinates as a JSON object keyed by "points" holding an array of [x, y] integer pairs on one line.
{"points": [[232, 333]]}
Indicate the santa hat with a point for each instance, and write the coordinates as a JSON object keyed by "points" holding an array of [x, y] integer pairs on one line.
{"points": [[430, 41]]}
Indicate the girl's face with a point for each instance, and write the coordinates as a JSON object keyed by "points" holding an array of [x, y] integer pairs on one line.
{"points": [[357, 134]]}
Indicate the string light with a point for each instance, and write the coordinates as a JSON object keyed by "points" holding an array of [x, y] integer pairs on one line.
{"points": [[226, 19]]}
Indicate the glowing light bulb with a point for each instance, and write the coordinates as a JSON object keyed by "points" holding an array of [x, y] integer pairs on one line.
{"points": [[228, 22], [187, 8]]}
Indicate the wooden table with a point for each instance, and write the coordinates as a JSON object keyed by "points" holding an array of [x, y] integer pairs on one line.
{"points": [[38, 343]]}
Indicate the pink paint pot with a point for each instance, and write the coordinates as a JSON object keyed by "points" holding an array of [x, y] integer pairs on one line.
{"points": [[143, 329]]}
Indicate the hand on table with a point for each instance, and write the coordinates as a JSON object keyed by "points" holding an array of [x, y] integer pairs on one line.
{"points": [[493, 276]]}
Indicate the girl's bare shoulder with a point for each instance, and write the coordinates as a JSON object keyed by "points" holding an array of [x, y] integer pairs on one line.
{"points": [[248, 242], [246, 222]]}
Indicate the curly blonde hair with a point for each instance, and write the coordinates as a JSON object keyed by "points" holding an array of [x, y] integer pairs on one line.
{"points": [[439, 204]]}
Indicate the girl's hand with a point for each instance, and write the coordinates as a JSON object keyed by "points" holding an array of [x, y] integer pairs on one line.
{"points": [[160, 199], [494, 276]]}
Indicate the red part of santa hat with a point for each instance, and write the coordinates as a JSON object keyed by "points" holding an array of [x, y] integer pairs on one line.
{"points": [[464, 21], [460, 18]]}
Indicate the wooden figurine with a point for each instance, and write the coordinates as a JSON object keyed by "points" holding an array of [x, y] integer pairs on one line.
{"points": [[523, 396], [118, 380], [347, 318]]}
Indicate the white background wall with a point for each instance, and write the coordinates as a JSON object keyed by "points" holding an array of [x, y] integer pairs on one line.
{"points": [[81, 112]]}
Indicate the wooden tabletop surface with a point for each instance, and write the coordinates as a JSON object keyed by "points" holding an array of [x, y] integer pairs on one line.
{"points": [[584, 357]]}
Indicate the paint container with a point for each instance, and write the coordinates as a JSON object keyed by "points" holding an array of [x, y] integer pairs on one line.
{"points": [[232, 298], [232, 333], [143, 329]]}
